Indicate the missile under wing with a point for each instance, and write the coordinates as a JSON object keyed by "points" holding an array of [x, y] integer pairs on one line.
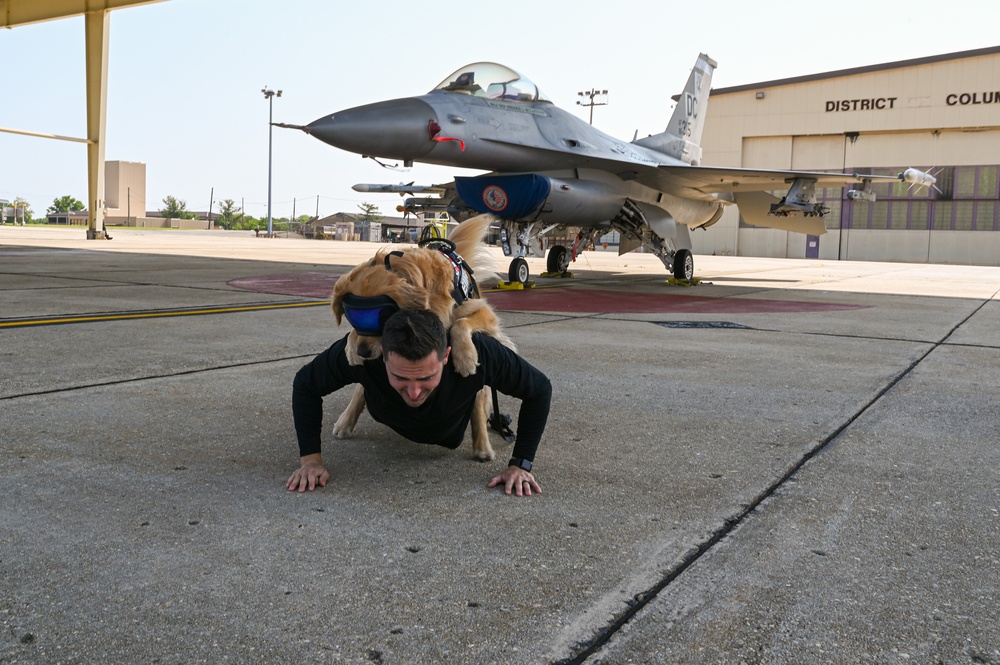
{"points": [[547, 170]]}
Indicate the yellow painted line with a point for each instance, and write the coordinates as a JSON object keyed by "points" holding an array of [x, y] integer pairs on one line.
{"points": [[155, 315]]}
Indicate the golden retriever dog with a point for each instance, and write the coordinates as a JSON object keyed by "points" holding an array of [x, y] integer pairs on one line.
{"points": [[431, 279]]}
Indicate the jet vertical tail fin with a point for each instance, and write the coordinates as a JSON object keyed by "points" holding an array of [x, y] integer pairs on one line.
{"points": [[682, 138]]}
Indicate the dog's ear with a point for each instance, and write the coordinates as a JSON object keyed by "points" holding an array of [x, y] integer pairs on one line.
{"points": [[337, 297]]}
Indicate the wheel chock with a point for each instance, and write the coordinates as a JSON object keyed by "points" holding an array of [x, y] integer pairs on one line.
{"points": [[673, 281], [515, 286], [557, 274]]}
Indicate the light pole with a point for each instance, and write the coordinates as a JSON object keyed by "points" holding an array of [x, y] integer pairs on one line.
{"points": [[269, 95], [591, 94]]}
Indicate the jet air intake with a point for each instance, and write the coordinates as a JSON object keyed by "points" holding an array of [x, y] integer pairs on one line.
{"points": [[539, 197]]}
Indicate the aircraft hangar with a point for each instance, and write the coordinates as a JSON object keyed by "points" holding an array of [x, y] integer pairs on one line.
{"points": [[939, 114]]}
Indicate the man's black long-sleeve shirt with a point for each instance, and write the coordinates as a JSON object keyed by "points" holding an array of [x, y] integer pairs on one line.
{"points": [[443, 418]]}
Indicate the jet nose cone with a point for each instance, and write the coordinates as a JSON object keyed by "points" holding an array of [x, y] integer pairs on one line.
{"points": [[396, 129]]}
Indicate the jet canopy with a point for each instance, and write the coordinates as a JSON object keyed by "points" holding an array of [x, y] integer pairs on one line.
{"points": [[493, 81]]}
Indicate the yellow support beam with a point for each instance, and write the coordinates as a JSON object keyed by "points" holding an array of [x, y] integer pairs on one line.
{"points": [[42, 135], [97, 24]]}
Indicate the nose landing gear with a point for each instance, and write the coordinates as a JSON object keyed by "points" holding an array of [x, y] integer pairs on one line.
{"points": [[518, 271]]}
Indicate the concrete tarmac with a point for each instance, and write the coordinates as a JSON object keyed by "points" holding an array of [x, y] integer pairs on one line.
{"points": [[794, 462]]}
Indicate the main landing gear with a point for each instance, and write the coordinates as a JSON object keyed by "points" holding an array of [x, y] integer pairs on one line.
{"points": [[683, 265], [556, 263], [558, 259]]}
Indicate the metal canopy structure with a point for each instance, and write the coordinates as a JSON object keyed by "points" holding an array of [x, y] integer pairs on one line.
{"points": [[14, 13]]}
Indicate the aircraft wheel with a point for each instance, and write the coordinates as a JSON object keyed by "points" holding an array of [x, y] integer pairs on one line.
{"points": [[558, 259], [683, 264], [518, 271]]}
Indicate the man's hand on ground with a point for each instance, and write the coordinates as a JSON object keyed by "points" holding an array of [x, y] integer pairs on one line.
{"points": [[516, 481], [310, 475]]}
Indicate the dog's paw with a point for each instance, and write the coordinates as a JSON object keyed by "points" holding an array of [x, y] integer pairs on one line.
{"points": [[466, 366], [483, 454], [464, 355], [344, 428]]}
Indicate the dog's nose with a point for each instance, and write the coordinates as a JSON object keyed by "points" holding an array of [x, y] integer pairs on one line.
{"points": [[364, 351]]}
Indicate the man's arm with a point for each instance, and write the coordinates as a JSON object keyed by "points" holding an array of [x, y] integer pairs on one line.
{"points": [[513, 375], [320, 377]]}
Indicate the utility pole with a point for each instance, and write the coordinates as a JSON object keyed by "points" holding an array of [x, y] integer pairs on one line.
{"points": [[591, 95], [269, 95]]}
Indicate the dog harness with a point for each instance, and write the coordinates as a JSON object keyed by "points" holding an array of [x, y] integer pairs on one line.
{"points": [[464, 285]]}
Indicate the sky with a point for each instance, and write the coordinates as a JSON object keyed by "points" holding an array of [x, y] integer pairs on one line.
{"points": [[185, 79]]}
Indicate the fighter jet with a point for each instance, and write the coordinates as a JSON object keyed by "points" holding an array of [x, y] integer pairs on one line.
{"points": [[549, 170]]}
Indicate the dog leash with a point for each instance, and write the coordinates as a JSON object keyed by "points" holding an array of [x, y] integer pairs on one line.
{"points": [[500, 422]]}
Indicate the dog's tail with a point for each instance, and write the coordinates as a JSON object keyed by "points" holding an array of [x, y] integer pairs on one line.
{"points": [[468, 239]]}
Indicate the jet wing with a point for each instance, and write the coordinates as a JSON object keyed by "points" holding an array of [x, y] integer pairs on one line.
{"points": [[696, 182], [702, 182]]}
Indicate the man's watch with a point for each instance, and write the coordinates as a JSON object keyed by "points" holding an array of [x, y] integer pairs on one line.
{"points": [[520, 462]]}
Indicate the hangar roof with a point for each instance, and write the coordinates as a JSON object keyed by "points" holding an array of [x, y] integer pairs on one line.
{"points": [[992, 50], [24, 12]]}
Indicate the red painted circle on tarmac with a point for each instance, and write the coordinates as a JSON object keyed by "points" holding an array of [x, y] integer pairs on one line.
{"points": [[570, 300], [619, 302], [306, 284]]}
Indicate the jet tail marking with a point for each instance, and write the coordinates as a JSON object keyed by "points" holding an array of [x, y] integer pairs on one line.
{"points": [[682, 138]]}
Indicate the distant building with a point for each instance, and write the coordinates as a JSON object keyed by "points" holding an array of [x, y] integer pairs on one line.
{"points": [[125, 202], [346, 226], [124, 193], [73, 217], [12, 213]]}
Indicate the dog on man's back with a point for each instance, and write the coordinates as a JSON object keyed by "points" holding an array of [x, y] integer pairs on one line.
{"points": [[437, 276]]}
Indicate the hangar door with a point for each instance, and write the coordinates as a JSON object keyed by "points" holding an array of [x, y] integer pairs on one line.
{"points": [[803, 153], [821, 153]]}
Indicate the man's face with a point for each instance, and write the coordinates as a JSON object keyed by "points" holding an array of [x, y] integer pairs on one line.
{"points": [[415, 380]]}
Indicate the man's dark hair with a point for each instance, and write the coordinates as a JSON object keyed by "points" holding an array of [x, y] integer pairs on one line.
{"points": [[413, 334]]}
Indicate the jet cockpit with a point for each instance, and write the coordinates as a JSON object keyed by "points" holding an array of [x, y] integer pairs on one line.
{"points": [[492, 81]]}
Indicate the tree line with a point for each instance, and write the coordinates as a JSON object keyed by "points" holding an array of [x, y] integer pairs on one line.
{"points": [[229, 215]]}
